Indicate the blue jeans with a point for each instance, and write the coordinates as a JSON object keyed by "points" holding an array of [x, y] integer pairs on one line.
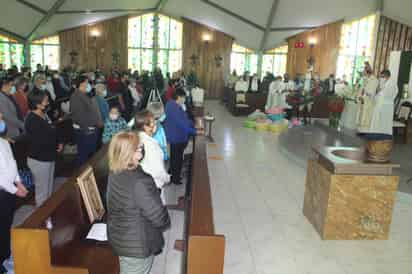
{"points": [[86, 141]]}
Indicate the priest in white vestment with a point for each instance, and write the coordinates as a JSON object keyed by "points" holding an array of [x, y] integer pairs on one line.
{"points": [[242, 85], [286, 87], [382, 117], [273, 99], [367, 98]]}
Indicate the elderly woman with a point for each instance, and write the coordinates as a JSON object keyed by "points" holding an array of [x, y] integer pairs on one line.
{"points": [[101, 93], [42, 145], [10, 187], [136, 218], [153, 163]]}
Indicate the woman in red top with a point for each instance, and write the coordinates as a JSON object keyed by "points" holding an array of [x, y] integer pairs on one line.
{"points": [[170, 90], [20, 96], [113, 83]]}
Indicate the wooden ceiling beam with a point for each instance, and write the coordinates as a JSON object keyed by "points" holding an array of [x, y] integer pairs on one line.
{"points": [[269, 22], [46, 18]]}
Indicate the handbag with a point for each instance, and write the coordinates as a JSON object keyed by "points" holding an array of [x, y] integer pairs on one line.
{"points": [[26, 177], [155, 104]]}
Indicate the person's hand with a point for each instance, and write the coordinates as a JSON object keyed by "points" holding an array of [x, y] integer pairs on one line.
{"points": [[21, 190], [11, 141], [60, 148]]}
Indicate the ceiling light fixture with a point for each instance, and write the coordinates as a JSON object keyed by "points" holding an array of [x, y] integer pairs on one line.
{"points": [[206, 37]]}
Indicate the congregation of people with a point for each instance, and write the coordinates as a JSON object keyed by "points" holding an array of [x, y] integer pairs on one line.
{"points": [[102, 109]]}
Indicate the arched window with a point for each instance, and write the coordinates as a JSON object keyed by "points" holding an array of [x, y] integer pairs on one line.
{"points": [[243, 59], [275, 60], [45, 52], [155, 40], [356, 47], [11, 52]]}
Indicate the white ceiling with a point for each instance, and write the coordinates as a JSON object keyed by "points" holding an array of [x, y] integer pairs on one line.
{"points": [[20, 19]]}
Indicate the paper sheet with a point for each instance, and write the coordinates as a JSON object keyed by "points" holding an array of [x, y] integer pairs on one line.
{"points": [[98, 232]]}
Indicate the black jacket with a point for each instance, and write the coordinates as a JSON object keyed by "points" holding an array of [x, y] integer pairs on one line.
{"points": [[42, 138], [136, 217]]}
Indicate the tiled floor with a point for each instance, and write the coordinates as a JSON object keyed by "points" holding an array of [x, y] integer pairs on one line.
{"points": [[257, 197]]}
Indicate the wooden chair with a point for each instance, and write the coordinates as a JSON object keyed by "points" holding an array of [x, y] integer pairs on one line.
{"points": [[402, 121]]}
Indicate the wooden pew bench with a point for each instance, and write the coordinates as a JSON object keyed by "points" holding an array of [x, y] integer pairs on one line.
{"points": [[63, 249], [204, 251]]}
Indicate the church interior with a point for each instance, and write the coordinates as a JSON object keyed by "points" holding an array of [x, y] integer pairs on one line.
{"points": [[205, 137]]}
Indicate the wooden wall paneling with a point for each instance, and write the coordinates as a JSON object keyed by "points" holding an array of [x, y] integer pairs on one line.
{"points": [[392, 35], [388, 41], [378, 50], [409, 39], [325, 51], [113, 36], [210, 75], [397, 42]]}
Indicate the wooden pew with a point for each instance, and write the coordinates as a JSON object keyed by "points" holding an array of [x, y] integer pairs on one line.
{"points": [[63, 249], [204, 251]]}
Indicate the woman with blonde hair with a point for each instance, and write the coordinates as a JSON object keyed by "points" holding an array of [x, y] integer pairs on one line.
{"points": [[136, 216]]}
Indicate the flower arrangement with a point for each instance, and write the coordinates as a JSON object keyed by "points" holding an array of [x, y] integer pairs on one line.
{"points": [[336, 104]]}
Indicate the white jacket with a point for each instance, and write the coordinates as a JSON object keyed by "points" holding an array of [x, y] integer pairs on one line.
{"points": [[153, 163], [382, 117], [8, 168]]}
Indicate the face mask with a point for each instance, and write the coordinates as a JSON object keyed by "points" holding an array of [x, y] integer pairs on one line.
{"points": [[104, 93], [56, 76], [13, 90], [43, 87], [162, 118], [3, 127], [182, 101], [88, 88], [382, 81], [113, 117]]}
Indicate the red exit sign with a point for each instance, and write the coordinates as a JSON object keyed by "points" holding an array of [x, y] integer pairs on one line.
{"points": [[299, 45]]}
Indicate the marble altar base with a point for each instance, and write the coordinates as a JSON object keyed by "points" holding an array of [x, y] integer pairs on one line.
{"points": [[349, 207]]}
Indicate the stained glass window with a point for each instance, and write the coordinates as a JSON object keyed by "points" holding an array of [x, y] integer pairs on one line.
{"points": [[275, 60], [155, 40], [356, 47], [45, 52], [243, 59], [11, 53]]}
